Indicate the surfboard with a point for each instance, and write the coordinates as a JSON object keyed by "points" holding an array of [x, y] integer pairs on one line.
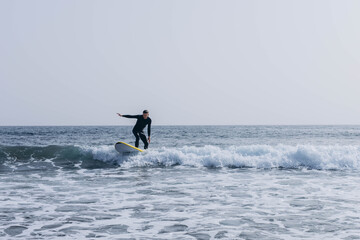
{"points": [[125, 148]]}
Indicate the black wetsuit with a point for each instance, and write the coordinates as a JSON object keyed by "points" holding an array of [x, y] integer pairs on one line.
{"points": [[138, 129]]}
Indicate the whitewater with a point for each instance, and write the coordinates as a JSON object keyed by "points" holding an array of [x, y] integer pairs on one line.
{"points": [[195, 182]]}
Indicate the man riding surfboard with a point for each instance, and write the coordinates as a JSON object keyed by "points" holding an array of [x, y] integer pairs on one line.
{"points": [[138, 130]]}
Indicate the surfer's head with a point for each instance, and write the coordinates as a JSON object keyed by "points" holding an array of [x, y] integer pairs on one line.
{"points": [[145, 114]]}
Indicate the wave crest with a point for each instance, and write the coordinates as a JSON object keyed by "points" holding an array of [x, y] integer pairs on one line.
{"points": [[254, 156], [248, 156]]}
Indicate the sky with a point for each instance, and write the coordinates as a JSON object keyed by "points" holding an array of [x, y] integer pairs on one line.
{"points": [[189, 62]]}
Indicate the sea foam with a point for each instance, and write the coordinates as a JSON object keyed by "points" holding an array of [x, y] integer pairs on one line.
{"points": [[335, 157], [254, 156]]}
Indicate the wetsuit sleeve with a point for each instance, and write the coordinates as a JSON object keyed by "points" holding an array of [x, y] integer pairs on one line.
{"points": [[130, 116], [149, 128]]}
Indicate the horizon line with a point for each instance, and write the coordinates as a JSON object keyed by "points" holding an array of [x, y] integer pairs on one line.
{"points": [[122, 125]]}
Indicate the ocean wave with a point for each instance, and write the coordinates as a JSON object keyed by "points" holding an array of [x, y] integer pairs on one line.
{"points": [[335, 157], [68, 156]]}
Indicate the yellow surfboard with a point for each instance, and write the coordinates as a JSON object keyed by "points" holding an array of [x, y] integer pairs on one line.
{"points": [[122, 147]]}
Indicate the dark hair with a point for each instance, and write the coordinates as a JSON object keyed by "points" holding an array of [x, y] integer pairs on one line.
{"points": [[145, 111]]}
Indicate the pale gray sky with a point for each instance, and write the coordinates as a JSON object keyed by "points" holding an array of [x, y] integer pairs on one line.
{"points": [[188, 62]]}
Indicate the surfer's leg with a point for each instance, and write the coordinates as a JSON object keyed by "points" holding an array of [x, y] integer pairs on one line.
{"points": [[143, 138], [136, 138]]}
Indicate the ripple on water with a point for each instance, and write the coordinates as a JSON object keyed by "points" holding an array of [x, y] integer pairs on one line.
{"points": [[174, 228], [71, 208], [306, 203], [93, 235], [236, 222], [112, 229], [51, 226], [79, 219], [255, 235], [102, 216], [145, 214], [6, 218], [200, 236], [146, 227], [14, 230], [220, 234], [82, 201]]}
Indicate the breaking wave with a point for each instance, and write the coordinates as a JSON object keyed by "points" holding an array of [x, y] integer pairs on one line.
{"points": [[249, 156]]}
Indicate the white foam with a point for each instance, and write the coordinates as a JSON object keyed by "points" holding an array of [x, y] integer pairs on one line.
{"points": [[254, 156], [103, 153], [257, 156]]}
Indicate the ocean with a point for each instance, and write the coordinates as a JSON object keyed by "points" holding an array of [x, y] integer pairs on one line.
{"points": [[194, 182]]}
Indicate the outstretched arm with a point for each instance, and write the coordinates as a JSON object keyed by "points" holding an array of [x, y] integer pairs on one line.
{"points": [[127, 116]]}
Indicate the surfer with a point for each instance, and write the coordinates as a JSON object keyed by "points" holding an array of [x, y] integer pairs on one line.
{"points": [[138, 130]]}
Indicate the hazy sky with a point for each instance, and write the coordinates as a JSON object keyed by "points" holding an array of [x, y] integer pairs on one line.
{"points": [[188, 62]]}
